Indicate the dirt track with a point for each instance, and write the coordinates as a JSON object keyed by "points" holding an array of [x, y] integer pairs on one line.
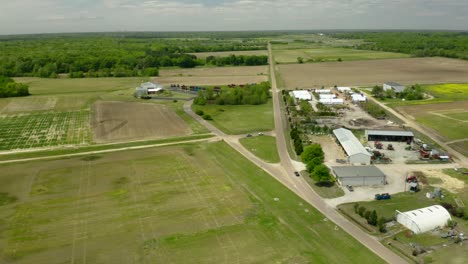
{"points": [[372, 72], [118, 121]]}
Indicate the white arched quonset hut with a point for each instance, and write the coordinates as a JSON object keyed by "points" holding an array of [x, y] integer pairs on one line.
{"points": [[424, 219]]}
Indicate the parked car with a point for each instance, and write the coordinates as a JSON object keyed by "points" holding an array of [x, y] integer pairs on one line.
{"points": [[260, 134], [383, 196], [297, 174], [350, 188], [248, 135]]}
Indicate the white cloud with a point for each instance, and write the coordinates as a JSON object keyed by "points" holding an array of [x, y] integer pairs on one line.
{"points": [[33, 16]]}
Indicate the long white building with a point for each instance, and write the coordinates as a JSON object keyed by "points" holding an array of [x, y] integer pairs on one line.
{"points": [[424, 219], [302, 95], [357, 154]]}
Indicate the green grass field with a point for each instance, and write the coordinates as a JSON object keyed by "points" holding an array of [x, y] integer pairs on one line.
{"points": [[263, 147], [198, 203], [240, 119], [44, 129], [449, 128], [324, 54]]}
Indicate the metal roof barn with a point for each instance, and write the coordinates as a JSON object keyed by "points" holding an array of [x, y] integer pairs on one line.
{"points": [[424, 219], [357, 154], [359, 175]]}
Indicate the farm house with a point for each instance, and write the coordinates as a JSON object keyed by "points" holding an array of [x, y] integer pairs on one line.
{"points": [[332, 101], [344, 89], [424, 219], [359, 175], [396, 87], [327, 96], [302, 95], [357, 154], [389, 135]]}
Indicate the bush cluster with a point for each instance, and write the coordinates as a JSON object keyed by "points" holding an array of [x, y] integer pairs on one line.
{"points": [[296, 137], [371, 217], [248, 95], [9, 88]]}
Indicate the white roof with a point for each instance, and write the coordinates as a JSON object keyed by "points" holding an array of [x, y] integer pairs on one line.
{"points": [[302, 95], [149, 85], [327, 96], [349, 142], [154, 89], [331, 101], [424, 219], [343, 89], [322, 90], [359, 97]]}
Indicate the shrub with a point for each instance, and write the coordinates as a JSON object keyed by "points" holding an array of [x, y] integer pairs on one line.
{"points": [[361, 210], [207, 117], [356, 207], [199, 112]]}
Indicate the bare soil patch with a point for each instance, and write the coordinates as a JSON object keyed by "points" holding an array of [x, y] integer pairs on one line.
{"points": [[405, 71], [213, 76], [118, 121], [216, 71], [449, 183]]}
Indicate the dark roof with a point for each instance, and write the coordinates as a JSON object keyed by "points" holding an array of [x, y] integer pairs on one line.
{"points": [[400, 133], [357, 171], [393, 84]]}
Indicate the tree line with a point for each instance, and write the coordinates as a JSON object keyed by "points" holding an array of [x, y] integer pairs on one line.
{"points": [[10, 88], [413, 92], [418, 44], [240, 60], [254, 94], [104, 56]]}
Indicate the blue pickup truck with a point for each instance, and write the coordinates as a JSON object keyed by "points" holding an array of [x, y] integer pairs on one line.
{"points": [[383, 196]]}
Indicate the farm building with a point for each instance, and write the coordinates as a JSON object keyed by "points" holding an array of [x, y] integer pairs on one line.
{"points": [[398, 88], [358, 98], [327, 96], [322, 91], [332, 101], [424, 219], [389, 135], [359, 175], [344, 89], [302, 95], [150, 87], [357, 154]]}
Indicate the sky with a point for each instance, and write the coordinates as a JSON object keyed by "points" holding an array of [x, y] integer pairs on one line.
{"points": [[54, 16]]}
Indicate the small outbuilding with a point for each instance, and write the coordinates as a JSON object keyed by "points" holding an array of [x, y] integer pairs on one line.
{"points": [[359, 175], [396, 87], [424, 219], [322, 91], [389, 135], [344, 89], [327, 96], [356, 98], [356, 152]]}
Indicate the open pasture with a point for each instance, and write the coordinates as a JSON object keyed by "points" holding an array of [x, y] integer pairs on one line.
{"points": [[322, 54], [44, 129], [204, 55], [41, 86], [239, 119], [213, 76], [119, 121], [372, 72], [262, 146], [199, 203], [448, 120]]}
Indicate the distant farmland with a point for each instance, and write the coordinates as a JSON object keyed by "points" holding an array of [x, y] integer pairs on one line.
{"points": [[214, 76], [332, 54], [371, 72], [197, 203], [203, 55]]}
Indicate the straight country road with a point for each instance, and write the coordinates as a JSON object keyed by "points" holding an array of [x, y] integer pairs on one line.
{"points": [[284, 173]]}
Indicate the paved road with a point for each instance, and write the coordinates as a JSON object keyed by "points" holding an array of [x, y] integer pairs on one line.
{"points": [[284, 173], [460, 159]]}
